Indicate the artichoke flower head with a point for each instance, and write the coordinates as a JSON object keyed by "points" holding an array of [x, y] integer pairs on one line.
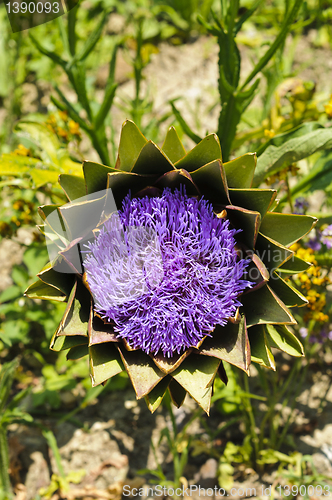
{"points": [[171, 264]]}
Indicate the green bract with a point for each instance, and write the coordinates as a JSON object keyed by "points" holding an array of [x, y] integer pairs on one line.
{"points": [[265, 238]]}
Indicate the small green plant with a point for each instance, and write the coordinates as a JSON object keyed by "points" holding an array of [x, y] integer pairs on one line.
{"points": [[10, 412], [74, 66]]}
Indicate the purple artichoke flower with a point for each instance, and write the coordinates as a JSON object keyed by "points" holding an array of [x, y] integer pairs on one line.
{"points": [[172, 303]]}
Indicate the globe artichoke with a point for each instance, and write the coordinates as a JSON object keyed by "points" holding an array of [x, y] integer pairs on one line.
{"points": [[170, 264]]}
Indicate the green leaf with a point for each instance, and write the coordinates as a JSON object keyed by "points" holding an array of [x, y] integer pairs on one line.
{"points": [[142, 371], [64, 343], [121, 183], [276, 158], [260, 347], [280, 139], [95, 175], [7, 374], [229, 343], [172, 146], [41, 177], [263, 307], [184, 125], [51, 55], [272, 254], [205, 152], [152, 161], [105, 363], [76, 316], [73, 186], [168, 365], [177, 392], [99, 332], [40, 135], [277, 42], [155, 397], [211, 182], [92, 39], [286, 228], [131, 144], [12, 164], [105, 105], [246, 220], [61, 281], [10, 293], [257, 200], [294, 265], [174, 179], [196, 375], [282, 338], [35, 258], [78, 352], [40, 290], [240, 171], [287, 293]]}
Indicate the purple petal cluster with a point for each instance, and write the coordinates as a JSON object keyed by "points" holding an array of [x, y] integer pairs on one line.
{"points": [[165, 294]]}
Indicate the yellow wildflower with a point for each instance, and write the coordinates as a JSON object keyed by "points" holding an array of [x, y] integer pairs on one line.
{"points": [[63, 115], [74, 128]]}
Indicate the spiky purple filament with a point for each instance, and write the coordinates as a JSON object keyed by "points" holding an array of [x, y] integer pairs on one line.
{"points": [[199, 275]]}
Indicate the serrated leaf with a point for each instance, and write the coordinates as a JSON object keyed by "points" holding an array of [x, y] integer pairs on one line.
{"points": [[211, 182], [196, 375], [155, 397], [131, 144], [143, 373], [105, 363], [73, 186], [240, 171], [295, 149], [229, 343], [205, 152], [257, 200], [260, 347], [286, 228], [151, 161], [172, 146], [286, 292], [282, 338], [263, 307]]}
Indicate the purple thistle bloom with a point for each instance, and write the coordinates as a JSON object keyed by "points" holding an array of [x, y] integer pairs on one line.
{"points": [[167, 288], [301, 205], [326, 236]]}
